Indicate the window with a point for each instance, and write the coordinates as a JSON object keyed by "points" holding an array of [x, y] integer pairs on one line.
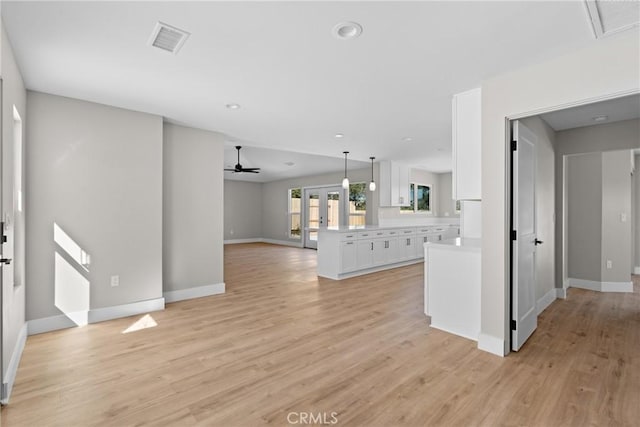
{"points": [[295, 208], [457, 206], [419, 199], [357, 203]]}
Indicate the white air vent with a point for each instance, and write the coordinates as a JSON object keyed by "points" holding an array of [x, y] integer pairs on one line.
{"points": [[609, 17], [168, 38]]}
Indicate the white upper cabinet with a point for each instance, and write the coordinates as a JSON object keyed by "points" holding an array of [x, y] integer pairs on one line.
{"points": [[394, 184], [466, 135]]}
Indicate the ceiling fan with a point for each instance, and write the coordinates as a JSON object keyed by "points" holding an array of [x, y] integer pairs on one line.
{"points": [[239, 169]]}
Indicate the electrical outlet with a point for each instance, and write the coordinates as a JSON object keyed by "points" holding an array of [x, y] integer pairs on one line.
{"points": [[609, 264], [231, 231], [623, 217], [115, 281]]}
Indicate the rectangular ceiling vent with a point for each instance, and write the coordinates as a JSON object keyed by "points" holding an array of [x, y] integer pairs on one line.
{"points": [[609, 17], [168, 38]]}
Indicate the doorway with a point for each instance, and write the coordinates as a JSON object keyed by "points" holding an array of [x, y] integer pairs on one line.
{"points": [[608, 130], [322, 209]]}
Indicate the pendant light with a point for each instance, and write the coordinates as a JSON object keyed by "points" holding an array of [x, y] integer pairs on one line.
{"points": [[345, 181], [372, 184]]}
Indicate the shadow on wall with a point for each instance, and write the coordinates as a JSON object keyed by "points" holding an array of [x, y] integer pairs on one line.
{"points": [[72, 286]]}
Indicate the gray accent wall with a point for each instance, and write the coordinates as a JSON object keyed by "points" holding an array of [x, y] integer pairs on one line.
{"points": [[193, 250], [545, 204], [636, 181], [242, 210], [599, 195], [623, 135], [96, 172], [446, 203], [616, 202], [584, 210]]}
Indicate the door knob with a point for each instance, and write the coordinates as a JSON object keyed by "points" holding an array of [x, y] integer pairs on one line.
{"points": [[6, 261], [537, 242]]}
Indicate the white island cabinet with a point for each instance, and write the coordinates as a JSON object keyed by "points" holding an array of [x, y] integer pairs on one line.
{"points": [[348, 252], [452, 286]]}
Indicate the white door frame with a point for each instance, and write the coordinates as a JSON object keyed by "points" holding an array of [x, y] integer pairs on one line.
{"points": [[508, 200]]}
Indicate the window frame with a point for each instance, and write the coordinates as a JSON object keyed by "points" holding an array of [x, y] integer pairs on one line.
{"points": [[291, 213], [414, 193]]}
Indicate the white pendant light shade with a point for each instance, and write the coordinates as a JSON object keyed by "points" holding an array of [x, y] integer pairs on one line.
{"points": [[372, 184], [345, 181]]}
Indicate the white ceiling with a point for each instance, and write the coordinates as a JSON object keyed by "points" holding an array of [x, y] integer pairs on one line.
{"points": [[276, 164], [296, 83], [615, 110]]}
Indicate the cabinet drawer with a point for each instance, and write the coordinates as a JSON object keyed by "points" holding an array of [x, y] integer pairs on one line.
{"points": [[344, 237], [365, 234], [407, 231]]}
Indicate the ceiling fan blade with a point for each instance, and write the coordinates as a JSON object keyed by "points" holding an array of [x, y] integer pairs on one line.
{"points": [[250, 169], [230, 170]]}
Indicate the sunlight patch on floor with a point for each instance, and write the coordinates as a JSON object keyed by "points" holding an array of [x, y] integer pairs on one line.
{"points": [[144, 322]]}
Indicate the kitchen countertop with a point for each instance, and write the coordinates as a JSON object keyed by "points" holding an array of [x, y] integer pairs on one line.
{"points": [[377, 227], [459, 243]]}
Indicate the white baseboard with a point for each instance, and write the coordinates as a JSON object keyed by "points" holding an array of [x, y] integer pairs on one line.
{"points": [[236, 241], [636, 270], [561, 293], [196, 292], [617, 286], [48, 324], [593, 285], [294, 243], [545, 301], [12, 368], [491, 344], [125, 310]]}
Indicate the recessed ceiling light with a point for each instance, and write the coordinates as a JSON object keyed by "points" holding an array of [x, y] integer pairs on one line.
{"points": [[289, 163], [407, 139], [233, 106], [339, 135], [347, 30], [600, 118]]}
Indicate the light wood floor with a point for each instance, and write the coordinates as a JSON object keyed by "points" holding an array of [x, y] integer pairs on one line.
{"points": [[281, 340]]}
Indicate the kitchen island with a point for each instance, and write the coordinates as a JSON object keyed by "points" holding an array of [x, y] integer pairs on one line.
{"points": [[452, 285], [352, 251]]}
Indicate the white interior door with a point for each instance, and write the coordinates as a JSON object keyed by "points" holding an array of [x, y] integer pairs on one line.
{"points": [[524, 319], [322, 210]]}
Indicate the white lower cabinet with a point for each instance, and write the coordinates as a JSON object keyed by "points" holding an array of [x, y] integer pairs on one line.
{"points": [[348, 256], [350, 253], [364, 254]]}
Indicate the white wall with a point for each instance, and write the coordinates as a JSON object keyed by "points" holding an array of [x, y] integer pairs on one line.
{"points": [[12, 298], [584, 216], [609, 66], [242, 210], [193, 251], [95, 171], [275, 203], [545, 204]]}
